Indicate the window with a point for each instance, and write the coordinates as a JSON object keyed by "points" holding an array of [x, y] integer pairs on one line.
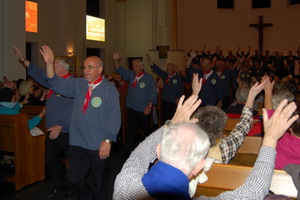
{"points": [[95, 28], [261, 3], [31, 17], [294, 2], [229, 4]]}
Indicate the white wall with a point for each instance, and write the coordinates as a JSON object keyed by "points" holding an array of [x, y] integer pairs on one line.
{"points": [[200, 23], [61, 25], [12, 24]]}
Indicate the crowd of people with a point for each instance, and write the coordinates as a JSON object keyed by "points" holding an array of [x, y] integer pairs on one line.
{"points": [[84, 117]]}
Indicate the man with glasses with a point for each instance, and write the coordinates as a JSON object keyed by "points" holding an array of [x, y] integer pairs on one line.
{"points": [[95, 123]]}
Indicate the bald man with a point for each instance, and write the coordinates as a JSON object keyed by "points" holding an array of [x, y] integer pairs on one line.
{"points": [[94, 125]]}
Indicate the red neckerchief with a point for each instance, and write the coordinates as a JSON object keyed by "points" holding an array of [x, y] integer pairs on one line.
{"points": [[204, 78], [169, 77], [89, 93], [68, 75], [135, 79]]}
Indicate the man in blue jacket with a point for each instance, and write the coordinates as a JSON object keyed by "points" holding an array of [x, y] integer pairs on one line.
{"points": [[141, 97], [172, 88], [59, 109], [212, 90]]}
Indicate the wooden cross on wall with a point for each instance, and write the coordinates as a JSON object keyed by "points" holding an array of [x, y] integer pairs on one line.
{"points": [[260, 26]]}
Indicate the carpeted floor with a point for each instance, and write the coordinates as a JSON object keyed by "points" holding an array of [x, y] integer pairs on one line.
{"points": [[40, 190]]}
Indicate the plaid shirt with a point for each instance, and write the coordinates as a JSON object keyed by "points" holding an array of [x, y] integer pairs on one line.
{"points": [[128, 183], [230, 145]]}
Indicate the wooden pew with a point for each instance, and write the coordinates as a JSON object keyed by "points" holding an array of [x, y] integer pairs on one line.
{"points": [[247, 153], [28, 151], [231, 123], [223, 178]]}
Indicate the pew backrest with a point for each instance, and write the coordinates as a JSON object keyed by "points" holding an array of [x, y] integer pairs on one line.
{"points": [[223, 177], [232, 122], [247, 153], [28, 151]]}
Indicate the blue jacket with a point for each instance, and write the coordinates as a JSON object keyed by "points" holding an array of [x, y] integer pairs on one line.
{"points": [[59, 108], [142, 94], [172, 90], [102, 119], [212, 91], [226, 78]]}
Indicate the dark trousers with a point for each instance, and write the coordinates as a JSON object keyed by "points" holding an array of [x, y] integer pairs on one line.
{"points": [[135, 120], [168, 110], [81, 162], [54, 149], [292, 69]]}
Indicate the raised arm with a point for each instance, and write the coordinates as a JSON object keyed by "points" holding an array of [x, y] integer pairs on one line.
{"points": [[254, 91], [116, 57], [268, 93], [277, 125], [196, 84], [258, 182], [238, 52], [48, 57], [189, 61], [249, 49], [230, 144], [149, 60], [20, 57]]}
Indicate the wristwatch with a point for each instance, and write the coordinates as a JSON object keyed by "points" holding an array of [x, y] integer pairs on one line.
{"points": [[107, 141], [168, 123]]}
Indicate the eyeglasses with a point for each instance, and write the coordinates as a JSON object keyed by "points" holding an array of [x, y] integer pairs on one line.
{"points": [[89, 68], [36, 88]]}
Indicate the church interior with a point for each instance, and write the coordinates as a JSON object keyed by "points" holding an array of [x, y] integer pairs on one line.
{"points": [[167, 30]]}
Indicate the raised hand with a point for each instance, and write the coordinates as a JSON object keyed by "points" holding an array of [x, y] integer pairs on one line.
{"points": [[269, 85], [185, 110], [196, 84], [116, 55], [277, 125], [18, 53], [258, 87], [193, 54], [47, 53]]}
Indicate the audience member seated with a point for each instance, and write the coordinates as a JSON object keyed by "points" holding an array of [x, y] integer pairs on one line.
{"points": [[241, 97], [288, 151], [271, 103], [36, 94], [287, 148], [9, 106], [182, 156]]}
